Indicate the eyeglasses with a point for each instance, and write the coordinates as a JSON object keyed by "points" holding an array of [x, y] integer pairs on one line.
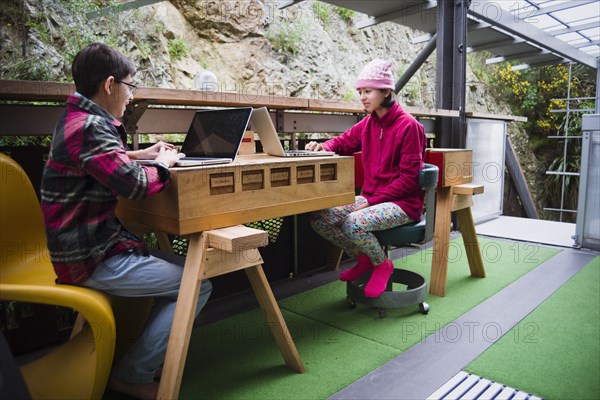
{"points": [[131, 87]]}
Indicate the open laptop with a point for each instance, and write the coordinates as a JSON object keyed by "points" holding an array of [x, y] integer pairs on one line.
{"points": [[263, 125], [214, 137]]}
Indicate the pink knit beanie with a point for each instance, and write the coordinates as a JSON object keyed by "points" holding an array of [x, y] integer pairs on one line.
{"points": [[376, 75]]}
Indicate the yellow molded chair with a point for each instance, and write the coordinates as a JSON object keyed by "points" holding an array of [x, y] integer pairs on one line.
{"points": [[78, 369]]}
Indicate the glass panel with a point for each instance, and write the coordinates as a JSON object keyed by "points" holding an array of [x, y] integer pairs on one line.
{"points": [[487, 140]]}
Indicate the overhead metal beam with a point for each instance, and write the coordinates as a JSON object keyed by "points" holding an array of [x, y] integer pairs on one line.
{"points": [[285, 4], [575, 28], [416, 64], [397, 15], [562, 6], [540, 64], [421, 39], [519, 56], [496, 45], [505, 20], [473, 27], [585, 44]]}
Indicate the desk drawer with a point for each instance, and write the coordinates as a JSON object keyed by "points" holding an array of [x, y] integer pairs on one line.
{"points": [[280, 177], [328, 172], [305, 174], [253, 180], [222, 183]]}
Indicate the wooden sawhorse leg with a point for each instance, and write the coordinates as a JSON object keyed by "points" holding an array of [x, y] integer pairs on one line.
{"points": [[446, 203], [274, 318], [467, 228], [441, 241], [225, 254], [183, 320]]}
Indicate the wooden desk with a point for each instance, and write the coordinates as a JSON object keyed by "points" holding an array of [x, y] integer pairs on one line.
{"points": [[252, 188]]}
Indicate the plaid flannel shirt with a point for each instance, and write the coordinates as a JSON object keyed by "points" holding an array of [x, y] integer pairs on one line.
{"points": [[87, 170]]}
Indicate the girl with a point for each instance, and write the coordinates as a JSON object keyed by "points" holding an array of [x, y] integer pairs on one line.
{"points": [[392, 145]]}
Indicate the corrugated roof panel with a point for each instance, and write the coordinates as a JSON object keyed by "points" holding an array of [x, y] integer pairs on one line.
{"points": [[517, 27]]}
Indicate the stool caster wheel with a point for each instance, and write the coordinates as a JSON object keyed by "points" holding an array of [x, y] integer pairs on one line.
{"points": [[382, 312], [351, 302], [424, 307]]}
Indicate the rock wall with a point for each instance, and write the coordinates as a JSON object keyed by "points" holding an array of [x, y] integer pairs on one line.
{"points": [[309, 50]]}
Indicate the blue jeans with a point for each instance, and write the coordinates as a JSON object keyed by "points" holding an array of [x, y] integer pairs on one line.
{"points": [[132, 275]]}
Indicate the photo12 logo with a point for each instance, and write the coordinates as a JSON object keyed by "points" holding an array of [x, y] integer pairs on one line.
{"points": [[469, 332]]}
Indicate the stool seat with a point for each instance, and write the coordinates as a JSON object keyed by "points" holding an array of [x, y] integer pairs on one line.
{"points": [[403, 235]]}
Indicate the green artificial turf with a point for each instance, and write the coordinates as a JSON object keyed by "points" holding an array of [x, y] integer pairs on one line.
{"points": [[554, 352], [238, 359]]}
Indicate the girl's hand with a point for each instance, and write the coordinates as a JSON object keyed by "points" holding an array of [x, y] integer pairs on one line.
{"points": [[314, 146]]}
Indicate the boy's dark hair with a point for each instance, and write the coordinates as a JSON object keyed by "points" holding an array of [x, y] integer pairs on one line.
{"points": [[389, 101], [96, 62]]}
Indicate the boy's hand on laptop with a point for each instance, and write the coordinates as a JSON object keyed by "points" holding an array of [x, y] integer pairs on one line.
{"points": [[149, 153], [153, 151], [168, 157], [314, 146]]}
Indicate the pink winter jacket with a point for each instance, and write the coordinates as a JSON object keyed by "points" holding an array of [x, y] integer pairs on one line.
{"points": [[392, 149]]}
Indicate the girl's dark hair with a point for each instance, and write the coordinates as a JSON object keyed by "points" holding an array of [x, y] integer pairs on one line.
{"points": [[96, 62], [389, 101]]}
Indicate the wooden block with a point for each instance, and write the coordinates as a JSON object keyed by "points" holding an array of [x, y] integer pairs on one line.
{"points": [[467, 188], [456, 165], [219, 262], [248, 146], [237, 238], [460, 201]]}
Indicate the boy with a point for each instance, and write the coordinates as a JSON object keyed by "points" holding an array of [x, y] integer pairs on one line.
{"points": [[88, 167]]}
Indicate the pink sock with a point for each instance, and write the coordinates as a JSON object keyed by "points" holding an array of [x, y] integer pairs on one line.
{"points": [[379, 279], [364, 264]]}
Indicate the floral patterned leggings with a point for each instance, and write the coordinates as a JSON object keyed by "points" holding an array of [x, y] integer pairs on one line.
{"points": [[352, 230]]}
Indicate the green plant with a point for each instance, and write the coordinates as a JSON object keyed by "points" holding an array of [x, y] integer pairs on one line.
{"points": [[150, 240], [29, 69], [145, 49], [476, 61], [14, 141], [39, 26], [539, 94], [286, 36], [346, 14], [178, 49], [350, 95], [322, 12]]}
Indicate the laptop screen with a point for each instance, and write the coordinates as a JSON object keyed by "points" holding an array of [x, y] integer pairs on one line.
{"points": [[216, 133]]}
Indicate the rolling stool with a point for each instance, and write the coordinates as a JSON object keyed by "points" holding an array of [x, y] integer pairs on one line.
{"points": [[404, 235]]}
